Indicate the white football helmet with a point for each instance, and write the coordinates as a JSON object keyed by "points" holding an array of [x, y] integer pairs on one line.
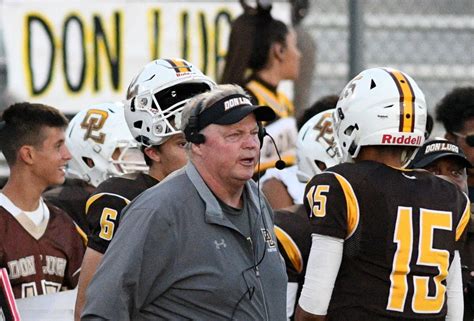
{"points": [[380, 106], [157, 95], [316, 144], [101, 144]]}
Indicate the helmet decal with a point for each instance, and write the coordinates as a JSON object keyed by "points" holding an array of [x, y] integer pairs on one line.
{"points": [[92, 123], [101, 144], [407, 100], [316, 144], [179, 65]]}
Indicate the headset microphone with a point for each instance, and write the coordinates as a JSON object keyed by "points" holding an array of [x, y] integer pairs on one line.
{"points": [[280, 163]]}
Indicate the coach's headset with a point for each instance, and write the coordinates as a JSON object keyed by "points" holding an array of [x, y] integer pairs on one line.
{"points": [[192, 134]]}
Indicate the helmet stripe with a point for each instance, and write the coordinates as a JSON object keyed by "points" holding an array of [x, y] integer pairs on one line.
{"points": [[407, 101], [179, 65]]}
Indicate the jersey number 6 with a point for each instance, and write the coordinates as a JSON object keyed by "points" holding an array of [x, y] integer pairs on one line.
{"points": [[107, 223]]}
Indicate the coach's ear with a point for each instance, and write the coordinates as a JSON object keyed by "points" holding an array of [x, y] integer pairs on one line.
{"points": [[26, 154]]}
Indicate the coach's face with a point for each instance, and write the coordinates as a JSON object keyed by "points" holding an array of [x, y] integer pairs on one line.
{"points": [[230, 152]]}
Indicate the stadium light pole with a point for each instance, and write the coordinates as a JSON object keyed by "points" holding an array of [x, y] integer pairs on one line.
{"points": [[356, 37]]}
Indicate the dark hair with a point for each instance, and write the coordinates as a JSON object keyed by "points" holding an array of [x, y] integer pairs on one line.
{"points": [[455, 108], [322, 104], [252, 35], [22, 124]]}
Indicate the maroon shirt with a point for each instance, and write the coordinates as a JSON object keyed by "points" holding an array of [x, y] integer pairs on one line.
{"points": [[45, 265]]}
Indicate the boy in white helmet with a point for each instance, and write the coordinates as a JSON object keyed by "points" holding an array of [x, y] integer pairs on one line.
{"points": [[155, 99], [101, 147], [384, 238]]}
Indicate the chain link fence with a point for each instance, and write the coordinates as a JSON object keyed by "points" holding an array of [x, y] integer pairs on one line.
{"points": [[431, 40]]}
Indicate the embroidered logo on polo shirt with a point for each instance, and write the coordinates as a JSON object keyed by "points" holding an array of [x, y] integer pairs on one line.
{"points": [[267, 236], [220, 244]]}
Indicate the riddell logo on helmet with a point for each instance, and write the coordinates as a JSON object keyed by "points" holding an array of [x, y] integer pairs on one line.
{"points": [[405, 140], [181, 74]]}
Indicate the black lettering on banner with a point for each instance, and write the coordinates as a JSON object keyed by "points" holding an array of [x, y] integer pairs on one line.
{"points": [[184, 35], [204, 43], [113, 58], [156, 36], [35, 88], [71, 20], [220, 52]]}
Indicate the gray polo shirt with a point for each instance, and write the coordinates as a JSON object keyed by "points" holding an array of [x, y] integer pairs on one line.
{"points": [[177, 257]]}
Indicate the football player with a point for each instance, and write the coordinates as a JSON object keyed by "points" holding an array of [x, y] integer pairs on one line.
{"points": [[315, 151], [40, 245], [384, 239], [101, 146], [155, 99]]}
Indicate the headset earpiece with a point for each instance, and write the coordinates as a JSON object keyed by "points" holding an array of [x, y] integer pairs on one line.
{"points": [[191, 132]]}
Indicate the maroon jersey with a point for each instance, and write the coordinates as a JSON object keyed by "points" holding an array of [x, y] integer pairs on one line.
{"points": [[400, 230], [71, 197], [40, 262]]}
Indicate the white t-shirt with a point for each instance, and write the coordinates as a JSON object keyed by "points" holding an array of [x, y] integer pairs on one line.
{"points": [[37, 216]]}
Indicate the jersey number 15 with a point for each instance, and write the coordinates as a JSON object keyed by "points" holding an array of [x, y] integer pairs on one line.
{"points": [[421, 301]]}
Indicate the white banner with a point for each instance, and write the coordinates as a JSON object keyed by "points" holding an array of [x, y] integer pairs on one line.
{"points": [[70, 54]]}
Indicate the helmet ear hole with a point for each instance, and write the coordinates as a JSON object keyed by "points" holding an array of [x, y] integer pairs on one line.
{"points": [[88, 161], [348, 131], [321, 165]]}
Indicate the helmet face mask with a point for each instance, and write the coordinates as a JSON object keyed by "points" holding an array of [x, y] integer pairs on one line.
{"points": [[315, 145], [101, 145], [157, 95], [380, 106]]}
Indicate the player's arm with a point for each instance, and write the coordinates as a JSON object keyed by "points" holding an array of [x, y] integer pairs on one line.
{"points": [[454, 290], [276, 193], [91, 261], [323, 266], [103, 212], [333, 210]]}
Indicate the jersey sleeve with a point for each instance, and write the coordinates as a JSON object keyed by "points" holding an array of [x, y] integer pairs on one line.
{"points": [[331, 205], [293, 233], [463, 223], [103, 212]]}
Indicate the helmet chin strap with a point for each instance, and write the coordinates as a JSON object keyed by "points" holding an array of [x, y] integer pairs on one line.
{"points": [[406, 156]]}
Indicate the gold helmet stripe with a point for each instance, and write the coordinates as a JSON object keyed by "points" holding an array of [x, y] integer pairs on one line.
{"points": [[407, 101], [179, 65]]}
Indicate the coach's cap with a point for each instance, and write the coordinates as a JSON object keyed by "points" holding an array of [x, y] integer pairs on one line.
{"points": [[232, 109], [436, 149]]}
